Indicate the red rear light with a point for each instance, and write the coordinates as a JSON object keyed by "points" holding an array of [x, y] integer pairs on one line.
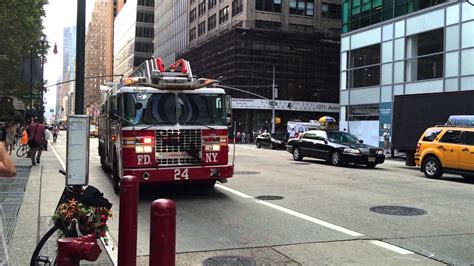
{"points": [[418, 147], [147, 140]]}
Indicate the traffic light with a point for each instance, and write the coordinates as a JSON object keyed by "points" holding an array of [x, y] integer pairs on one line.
{"points": [[277, 120]]}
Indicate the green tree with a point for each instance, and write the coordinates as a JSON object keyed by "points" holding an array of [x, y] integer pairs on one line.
{"points": [[21, 31]]}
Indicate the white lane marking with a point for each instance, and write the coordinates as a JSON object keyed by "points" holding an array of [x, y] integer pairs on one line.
{"points": [[294, 213], [310, 219], [238, 193], [63, 165], [391, 247]]}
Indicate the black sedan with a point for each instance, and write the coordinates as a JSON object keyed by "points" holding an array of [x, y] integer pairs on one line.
{"points": [[336, 147], [271, 140]]}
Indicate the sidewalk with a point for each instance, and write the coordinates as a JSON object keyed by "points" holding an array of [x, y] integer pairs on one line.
{"points": [[43, 190]]}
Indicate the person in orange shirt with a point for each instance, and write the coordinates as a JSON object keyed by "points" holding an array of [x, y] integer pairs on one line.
{"points": [[24, 137]]}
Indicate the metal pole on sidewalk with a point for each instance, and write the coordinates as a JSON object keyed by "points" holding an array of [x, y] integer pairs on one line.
{"points": [[127, 246], [162, 233], [273, 101], [80, 52]]}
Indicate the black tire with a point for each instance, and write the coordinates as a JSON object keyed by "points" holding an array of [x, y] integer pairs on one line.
{"points": [[371, 165], [469, 178], [22, 151], [272, 146], [432, 168], [116, 177], [297, 154], [336, 158], [258, 145]]}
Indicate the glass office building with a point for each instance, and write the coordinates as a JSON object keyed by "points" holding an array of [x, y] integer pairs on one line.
{"points": [[429, 50]]}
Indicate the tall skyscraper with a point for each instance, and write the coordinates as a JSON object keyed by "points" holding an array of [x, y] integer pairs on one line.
{"points": [[133, 35], [96, 53], [69, 73]]}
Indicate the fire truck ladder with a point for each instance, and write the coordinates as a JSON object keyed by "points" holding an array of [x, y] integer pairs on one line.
{"points": [[177, 76]]}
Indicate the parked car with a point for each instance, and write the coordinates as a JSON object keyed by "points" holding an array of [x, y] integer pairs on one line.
{"points": [[271, 140], [336, 147], [446, 149]]}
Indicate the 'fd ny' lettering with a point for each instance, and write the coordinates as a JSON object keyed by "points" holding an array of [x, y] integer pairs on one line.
{"points": [[211, 158], [143, 159]]}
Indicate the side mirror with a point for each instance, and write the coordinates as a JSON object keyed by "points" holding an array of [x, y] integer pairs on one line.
{"points": [[228, 110], [114, 115], [361, 141]]}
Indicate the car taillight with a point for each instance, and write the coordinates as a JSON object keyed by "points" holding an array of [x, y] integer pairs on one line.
{"points": [[147, 141], [418, 147]]}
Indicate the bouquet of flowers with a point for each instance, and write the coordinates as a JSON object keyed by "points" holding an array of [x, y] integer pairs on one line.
{"points": [[83, 213]]}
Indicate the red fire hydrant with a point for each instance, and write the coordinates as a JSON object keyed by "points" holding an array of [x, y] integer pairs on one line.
{"points": [[74, 249]]}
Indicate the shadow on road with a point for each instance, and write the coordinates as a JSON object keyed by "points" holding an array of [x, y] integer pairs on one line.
{"points": [[180, 193]]}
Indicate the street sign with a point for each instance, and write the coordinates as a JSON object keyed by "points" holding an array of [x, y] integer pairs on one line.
{"points": [[272, 103], [77, 150]]}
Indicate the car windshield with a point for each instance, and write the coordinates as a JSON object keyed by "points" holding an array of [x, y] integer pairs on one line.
{"points": [[196, 109], [171, 109], [341, 137]]}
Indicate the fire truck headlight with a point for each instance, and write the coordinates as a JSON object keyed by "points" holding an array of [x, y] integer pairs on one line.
{"points": [[143, 149], [213, 147]]}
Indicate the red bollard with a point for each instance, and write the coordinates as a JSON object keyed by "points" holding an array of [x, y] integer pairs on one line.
{"points": [[127, 246], [71, 250], [162, 233]]}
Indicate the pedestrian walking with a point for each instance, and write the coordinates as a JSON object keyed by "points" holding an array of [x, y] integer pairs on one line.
{"points": [[35, 140], [18, 135], [10, 137], [292, 133], [47, 136], [386, 141], [55, 133], [7, 169]]}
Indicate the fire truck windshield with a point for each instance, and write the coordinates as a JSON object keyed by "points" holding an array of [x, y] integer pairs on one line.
{"points": [[171, 109]]}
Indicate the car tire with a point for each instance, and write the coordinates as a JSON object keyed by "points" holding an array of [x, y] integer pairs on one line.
{"points": [[296, 154], [432, 168], [336, 159], [371, 165], [258, 145], [469, 178], [272, 146]]}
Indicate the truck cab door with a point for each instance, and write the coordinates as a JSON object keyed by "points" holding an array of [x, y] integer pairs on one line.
{"points": [[449, 147]]}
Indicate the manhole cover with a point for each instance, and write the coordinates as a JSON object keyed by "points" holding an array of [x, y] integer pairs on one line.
{"points": [[229, 261], [246, 173], [398, 210], [269, 197]]}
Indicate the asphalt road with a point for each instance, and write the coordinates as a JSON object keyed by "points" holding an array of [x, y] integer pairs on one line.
{"points": [[315, 204]]}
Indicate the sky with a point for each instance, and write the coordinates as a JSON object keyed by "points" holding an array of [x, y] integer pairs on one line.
{"points": [[59, 15]]}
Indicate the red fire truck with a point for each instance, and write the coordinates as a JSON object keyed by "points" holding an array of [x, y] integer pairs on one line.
{"points": [[164, 125]]}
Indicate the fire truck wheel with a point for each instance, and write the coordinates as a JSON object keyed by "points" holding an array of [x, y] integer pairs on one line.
{"points": [[116, 178]]}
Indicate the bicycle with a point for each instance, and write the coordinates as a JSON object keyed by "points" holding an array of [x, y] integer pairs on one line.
{"points": [[22, 150], [90, 196]]}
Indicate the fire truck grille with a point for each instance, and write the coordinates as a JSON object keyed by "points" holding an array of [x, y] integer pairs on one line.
{"points": [[178, 147]]}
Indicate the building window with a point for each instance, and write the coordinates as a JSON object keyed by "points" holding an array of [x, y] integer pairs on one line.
{"points": [[145, 16], [263, 24], [192, 34], [300, 28], [363, 112], [144, 32], [331, 11], [211, 4], [201, 28], [425, 56], [268, 5], [302, 7], [202, 8], [237, 7], [211, 22], [358, 14], [150, 3], [143, 47], [223, 15], [364, 64], [192, 15]]}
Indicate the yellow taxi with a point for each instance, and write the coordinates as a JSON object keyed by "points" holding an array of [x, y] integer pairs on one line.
{"points": [[446, 149]]}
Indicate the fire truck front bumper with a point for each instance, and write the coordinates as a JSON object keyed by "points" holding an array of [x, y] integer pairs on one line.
{"points": [[182, 173]]}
